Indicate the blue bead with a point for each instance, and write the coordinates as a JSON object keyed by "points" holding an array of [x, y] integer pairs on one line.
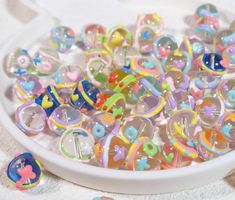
{"points": [[207, 61], [20, 162]]}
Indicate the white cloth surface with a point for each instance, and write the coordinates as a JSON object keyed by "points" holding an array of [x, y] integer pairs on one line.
{"points": [[54, 188]]}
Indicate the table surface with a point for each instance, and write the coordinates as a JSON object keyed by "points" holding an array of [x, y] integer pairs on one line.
{"points": [[52, 187]]}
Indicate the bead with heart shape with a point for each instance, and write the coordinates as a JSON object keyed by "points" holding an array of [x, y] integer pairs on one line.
{"points": [[27, 87]]}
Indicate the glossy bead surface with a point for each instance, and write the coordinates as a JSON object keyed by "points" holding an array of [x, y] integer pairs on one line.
{"points": [[229, 58], [146, 66], [84, 96], [211, 144], [64, 117], [203, 84], [177, 60], [134, 127], [148, 106], [206, 28], [118, 36], [163, 45], [122, 55], [193, 46], [98, 53], [101, 124], [143, 155], [47, 61], [18, 63], [182, 124], [98, 71], [111, 152], [30, 118], [146, 86], [209, 110], [152, 20], [122, 82], [24, 171], [27, 87], [144, 39], [171, 158], [49, 99], [112, 102], [67, 77], [224, 39], [227, 126], [62, 38], [77, 144], [207, 10], [92, 35], [211, 62], [176, 79], [226, 92]]}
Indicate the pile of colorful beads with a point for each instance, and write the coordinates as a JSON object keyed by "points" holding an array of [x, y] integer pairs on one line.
{"points": [[142, 101]]}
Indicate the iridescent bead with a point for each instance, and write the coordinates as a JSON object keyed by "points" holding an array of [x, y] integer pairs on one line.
{"points": [[30, 118], [193, 46], [97, 71], [149, 107], [186, 148], [152, 20], [77, 144], [64, 117], [143, 155], [98, 53], [177, 60], [224, 39], [229, 59], [176, 79], [111, 152], [146, 66], [182, 124], [134, 127], [24, 171], [211, 144], [146, 86], [122, 55], [207, 10], [171, 158], [206, 28], [27, 87], [226, 126], [209, 110], [178, 99], [67, 77], [47, 61], [203, 84], [92, 35], [62, 38], [164, 45], [117, 36], [101, 124], [144, 39], [18, 63], [226, 92]]}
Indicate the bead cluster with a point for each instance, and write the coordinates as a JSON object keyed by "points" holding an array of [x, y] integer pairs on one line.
{"points": [[142, 101]]}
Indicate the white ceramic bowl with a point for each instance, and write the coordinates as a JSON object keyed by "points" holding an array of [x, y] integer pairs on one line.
{"points": [[132, 182]]}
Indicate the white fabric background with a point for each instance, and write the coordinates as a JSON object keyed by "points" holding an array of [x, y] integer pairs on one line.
{"points": [[53, 187]]}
